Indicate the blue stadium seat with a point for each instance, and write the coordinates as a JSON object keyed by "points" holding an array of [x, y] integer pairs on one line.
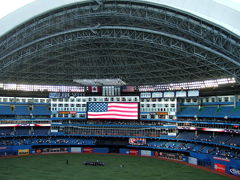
{"points": [[22, 110], [41, 110], [188, 112], [6, 110]]}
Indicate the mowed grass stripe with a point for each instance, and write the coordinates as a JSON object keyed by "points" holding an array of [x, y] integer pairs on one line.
{"points": [[50, 167]]}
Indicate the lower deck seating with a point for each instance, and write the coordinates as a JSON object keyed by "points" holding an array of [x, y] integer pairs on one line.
{"points": [[221, 138], [5, 131], [22, 131], [235, 140], [186, 135]]}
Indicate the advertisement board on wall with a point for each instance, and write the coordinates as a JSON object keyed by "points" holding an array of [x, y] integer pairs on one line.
{"points": [[23, 151], [234, 171], [145, 153], [221, 159], [67, 112], [192, 160], [220, 167], [88, 149], [133, 151], [76, 149]]}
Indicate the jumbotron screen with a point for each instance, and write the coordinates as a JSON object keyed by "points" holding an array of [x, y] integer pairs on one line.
{"points": [[107, 110]]}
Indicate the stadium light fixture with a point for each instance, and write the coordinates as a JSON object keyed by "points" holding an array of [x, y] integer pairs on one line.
{"points": [[187, 85], [48, 88]]}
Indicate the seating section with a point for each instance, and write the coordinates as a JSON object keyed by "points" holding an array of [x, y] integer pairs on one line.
{"points": [[22, 110], [221, 138], [22, 131], [41, 110], [40, 131], [204, 136], [207, 149], [6, 110], [188, 112], [5, 131], [235, 140], [209, 112], [224, 111], [195, 147], [48, 140], [186, 135], [235, 113]]}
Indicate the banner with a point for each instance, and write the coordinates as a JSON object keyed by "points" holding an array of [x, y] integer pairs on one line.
{"points": [[220, 167], [38, 151], [24, 125], [162, 113], [133, 151], [23, 151], [67, 112], [88, 149], [146, 153], [192, 160], [76, 149], [221, 159]]}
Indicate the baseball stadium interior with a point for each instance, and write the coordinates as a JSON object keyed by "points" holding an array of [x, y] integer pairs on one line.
{"points": [[121, 76]]}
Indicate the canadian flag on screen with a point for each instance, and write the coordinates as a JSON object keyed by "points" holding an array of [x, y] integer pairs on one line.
{"points": [[94, 89]]}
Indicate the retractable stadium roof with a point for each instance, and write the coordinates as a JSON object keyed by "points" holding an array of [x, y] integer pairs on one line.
{"points": [[140, 42]]}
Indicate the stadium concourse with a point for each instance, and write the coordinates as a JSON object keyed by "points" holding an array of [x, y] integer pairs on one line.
{"points": [[139, 77]]}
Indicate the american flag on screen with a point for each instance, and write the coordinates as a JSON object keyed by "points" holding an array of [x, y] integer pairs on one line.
{"points": [[128, 88], [113, 110]]}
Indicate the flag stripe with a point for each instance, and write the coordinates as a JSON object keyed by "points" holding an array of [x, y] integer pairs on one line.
{"points": [[111, 117], [121, 110], [123, 104], [122, 107], [124, 115]]}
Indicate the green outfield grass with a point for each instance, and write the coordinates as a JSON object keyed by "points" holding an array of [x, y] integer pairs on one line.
{"points": [[54, 167]]}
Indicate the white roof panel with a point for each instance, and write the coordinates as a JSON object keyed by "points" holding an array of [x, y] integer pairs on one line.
{"points": [[215, 11]]}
